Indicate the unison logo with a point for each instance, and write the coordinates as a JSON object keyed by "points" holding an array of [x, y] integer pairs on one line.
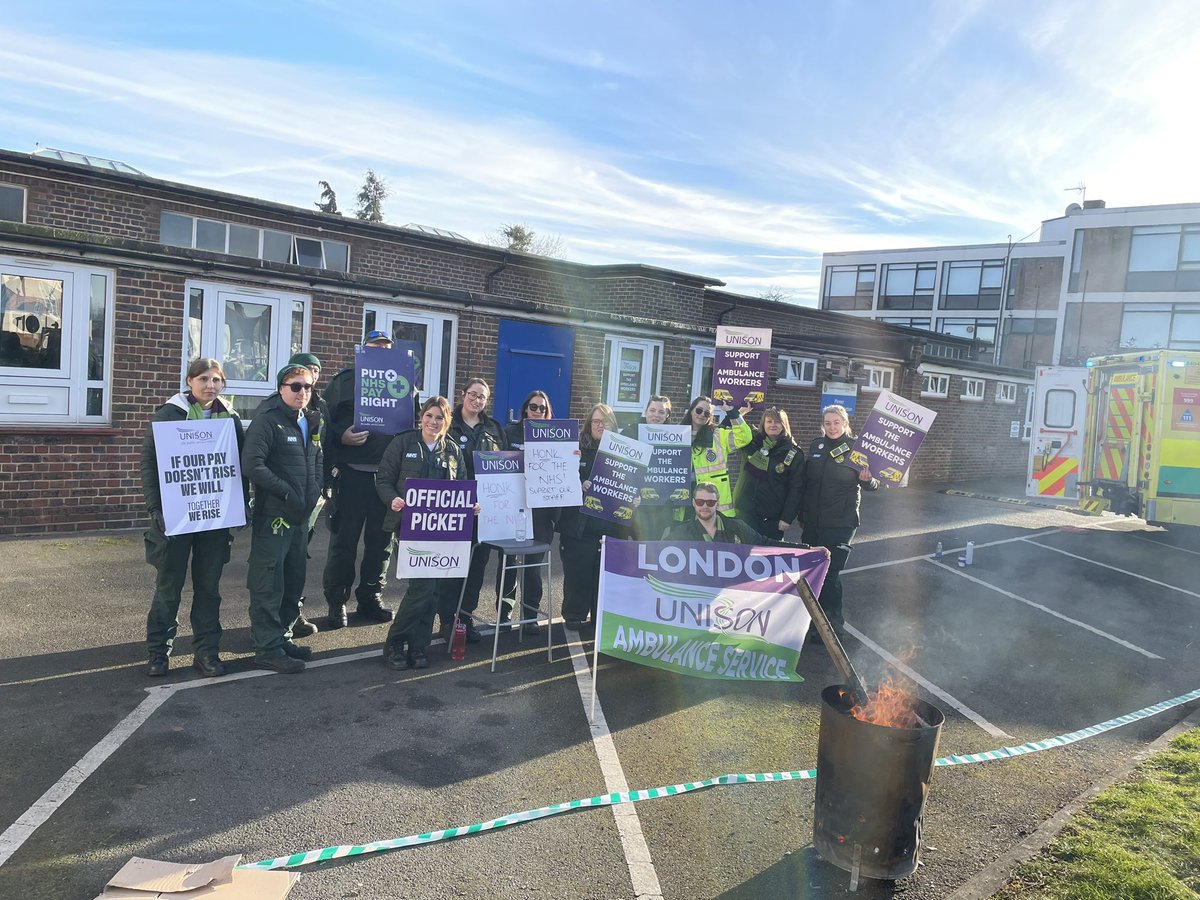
{"points": [[431, 559]]}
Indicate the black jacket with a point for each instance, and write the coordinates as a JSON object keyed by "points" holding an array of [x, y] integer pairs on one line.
{"points": [[284, 469], [832, 489], [729, 531], [487, 435], [176, 410], [339, 401], [407, 457], [775, 493]]}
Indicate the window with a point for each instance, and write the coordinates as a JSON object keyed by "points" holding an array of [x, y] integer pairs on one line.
{"points": [[973, 388], [908, 286], [1006, 392], [983, 330], [631, 372], [909, 323], [178, 230], [1027, 425], [436, 334], [972, 284], [878, 378], [797, 370], [12, 203], [702, 370], [253, 332], [944, 350], [55, 343], [1164, 258], [1145, 326], [1059, 409], [935, 385], [849, 287]]}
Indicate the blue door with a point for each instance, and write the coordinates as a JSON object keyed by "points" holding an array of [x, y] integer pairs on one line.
{"points": [[533, 357]]}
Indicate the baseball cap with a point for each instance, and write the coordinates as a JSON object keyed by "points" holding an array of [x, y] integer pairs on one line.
{"points": [[377, 336]]}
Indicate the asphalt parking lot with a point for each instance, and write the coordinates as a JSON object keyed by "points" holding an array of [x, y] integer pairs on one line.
{"points": [[1062, 622]]}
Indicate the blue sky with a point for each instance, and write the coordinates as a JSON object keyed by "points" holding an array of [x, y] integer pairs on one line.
{"points": [[734, 140]]}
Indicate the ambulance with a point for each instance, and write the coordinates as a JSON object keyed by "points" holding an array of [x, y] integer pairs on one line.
{"points": [[1141, 436]]}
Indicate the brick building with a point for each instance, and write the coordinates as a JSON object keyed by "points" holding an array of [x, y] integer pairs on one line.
{"points": [[112, 280]]}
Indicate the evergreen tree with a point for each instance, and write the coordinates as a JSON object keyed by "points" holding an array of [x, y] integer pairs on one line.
{"points": [[328, 202], [370, 198]]}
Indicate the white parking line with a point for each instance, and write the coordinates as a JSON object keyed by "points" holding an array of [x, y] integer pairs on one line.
{"points": [[946, 552], [930, 686], [629, 826], [44, 807], [1114, 568], [1084, 625], [1162, 544]]}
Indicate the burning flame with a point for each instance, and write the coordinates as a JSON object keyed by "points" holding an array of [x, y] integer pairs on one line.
{"points": [[890, 706]]}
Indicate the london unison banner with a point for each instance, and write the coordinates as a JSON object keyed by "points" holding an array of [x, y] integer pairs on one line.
{"points": [[726, 611], [199, 475], [435, 529]]}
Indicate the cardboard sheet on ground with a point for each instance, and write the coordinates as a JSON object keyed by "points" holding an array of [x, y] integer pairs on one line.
{"points": [[144, 879], [199, 475], [726, 611]]}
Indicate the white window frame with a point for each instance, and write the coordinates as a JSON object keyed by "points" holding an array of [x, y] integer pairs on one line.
{"points": [[24, 201], [294, 253], [440, 373], [1027, 425], [59, 397], [650, 375], [974, 389], [879, 378], [940, 382], [1006, 392], [280, 346], [701, 353], [800, 364]]}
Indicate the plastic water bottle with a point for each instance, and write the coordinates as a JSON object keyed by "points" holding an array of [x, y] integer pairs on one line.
{"points": [[970, 552], [458, 641], [521, 535], [937, 554]]}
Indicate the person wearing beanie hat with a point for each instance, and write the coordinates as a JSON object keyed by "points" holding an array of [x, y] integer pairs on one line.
{"points": [[303, 627]]}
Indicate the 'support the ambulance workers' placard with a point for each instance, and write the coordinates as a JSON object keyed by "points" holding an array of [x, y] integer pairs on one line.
{"points": [[709, 610], [890, 438], [199, 475], [500, 479], [669, 478], [741, 365], [617, 478], [552, 463], [383, 389], [435, 529]]}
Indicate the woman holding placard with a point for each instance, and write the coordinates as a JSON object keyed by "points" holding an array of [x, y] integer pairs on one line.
{"points": [[829, 510], [536, 406], [422, 453], [768, 492], [208, 550], [580, 534], [711, 446]]}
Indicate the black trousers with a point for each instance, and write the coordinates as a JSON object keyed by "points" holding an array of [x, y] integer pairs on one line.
{"points": [[837, 541]]}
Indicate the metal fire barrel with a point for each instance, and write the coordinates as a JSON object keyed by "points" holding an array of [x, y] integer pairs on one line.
{"points": [[872, 781]]}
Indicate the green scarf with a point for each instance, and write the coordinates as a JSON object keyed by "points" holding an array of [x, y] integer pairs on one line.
{"points": [[760, 459]]}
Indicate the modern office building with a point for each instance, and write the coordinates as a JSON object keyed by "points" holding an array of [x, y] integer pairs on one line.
{"points": [[1098, 279]]}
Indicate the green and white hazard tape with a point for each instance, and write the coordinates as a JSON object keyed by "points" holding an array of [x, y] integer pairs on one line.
{"points": [[308, 857]]}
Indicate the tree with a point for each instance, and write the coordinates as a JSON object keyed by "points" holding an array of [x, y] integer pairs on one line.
{"points": [[778, 294], [328, 202], [523, 239], [370, 198]]}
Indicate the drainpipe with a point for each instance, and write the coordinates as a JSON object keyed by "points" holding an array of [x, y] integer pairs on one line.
{"points": [[487, 281]]}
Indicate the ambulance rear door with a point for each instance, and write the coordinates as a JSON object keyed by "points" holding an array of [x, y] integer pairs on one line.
{"points": [[1056, 439]]}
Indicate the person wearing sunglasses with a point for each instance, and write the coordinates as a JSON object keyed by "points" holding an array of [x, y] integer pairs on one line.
{"points": [[708, 524], [471, 429], [768, 492], [711, 446], [535, 406], [282, 460], [209, 550]]}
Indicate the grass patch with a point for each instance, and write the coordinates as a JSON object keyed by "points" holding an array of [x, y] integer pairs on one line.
{"points": [[1139, 840]]}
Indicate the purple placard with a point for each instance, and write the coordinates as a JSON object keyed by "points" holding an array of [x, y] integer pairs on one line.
{"points": [[890, 438], [383, 388], [617, 478], [436, 510], [669, 477], [741, 365]]}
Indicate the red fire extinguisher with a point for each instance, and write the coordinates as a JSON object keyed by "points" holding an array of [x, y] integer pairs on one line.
{"points": [[458, 641]]}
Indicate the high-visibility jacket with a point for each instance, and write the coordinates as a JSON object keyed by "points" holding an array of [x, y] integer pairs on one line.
{"points": [[711, 465]]}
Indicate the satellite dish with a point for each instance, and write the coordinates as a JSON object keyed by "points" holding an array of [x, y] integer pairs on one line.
{"points": [[1073, 208]]}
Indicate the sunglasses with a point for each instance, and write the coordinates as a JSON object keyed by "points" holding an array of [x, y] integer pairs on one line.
{"points": [[298, 386], [537, 407], [702, 413], [700, 502]]}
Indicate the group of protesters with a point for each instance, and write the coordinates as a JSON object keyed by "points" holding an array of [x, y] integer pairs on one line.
{"points": [[302, 448]]}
